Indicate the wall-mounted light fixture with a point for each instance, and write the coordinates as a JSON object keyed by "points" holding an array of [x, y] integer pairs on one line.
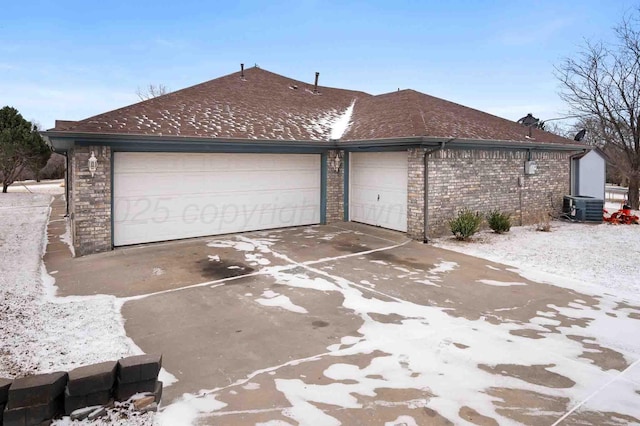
{"points": [[336, 160], [93, 164]]}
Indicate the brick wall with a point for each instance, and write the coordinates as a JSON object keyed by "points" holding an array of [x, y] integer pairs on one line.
{"points": [[90, 200], [415, 194], [483, 180], [335, 189]]}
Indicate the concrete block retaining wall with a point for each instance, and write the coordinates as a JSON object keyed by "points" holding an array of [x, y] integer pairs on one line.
{"points": [[35, 399]]}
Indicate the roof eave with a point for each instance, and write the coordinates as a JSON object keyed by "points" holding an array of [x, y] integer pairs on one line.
{"points": [[452, 142], [531, 144], [65, 139]]}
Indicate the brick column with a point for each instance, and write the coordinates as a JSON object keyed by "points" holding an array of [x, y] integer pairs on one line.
{"points": [[415, 194], [335, 188], [91, 200]]}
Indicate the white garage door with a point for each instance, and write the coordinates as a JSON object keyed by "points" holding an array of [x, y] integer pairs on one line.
{"points": [[378, 194], [167, 196]]}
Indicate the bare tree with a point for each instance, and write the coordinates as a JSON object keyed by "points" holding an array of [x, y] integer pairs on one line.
{"points": [[597, 135], [557, 129], [603, 82], [151, 91]]}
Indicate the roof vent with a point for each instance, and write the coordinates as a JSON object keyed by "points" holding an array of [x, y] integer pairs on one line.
{"points": [[315, 85], [293, 87], [242, 71]]}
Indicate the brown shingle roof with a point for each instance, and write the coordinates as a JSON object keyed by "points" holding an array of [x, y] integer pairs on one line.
{"points": [[265, 105], [409, 113]]}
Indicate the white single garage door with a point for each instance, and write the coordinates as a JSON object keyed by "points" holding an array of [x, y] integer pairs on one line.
{"points": [[168, 196], [378, 194]]}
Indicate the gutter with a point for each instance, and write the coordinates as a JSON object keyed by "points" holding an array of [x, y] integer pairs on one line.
{"points": [[66, 139], [426, 141], [63, 138]]}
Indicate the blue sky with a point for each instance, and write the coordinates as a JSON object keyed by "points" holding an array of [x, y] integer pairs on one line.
{"points": [[74, 59]]}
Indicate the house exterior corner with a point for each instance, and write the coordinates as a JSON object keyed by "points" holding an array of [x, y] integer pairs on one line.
{"points": [[90, 200]]}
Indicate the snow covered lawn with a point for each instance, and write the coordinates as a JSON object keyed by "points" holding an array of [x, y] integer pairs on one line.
{"points": [[41, 332], [603, 257]]}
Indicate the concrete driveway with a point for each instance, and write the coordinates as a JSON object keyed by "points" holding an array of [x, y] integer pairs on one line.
{"points": [[353, 324]]}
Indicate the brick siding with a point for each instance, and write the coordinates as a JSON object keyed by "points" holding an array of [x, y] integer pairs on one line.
{"points": [[90, 200], [415, 194], [335, 189], [482, 180]]}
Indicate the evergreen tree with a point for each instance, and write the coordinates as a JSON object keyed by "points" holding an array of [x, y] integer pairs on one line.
{"points": [[20, 145]]}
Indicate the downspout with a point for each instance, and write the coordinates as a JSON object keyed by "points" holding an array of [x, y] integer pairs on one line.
{"points": [[67, 179], [427, 153]]}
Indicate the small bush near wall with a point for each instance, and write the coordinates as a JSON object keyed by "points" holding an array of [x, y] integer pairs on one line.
{"points": [[498, 221], [543, 221], [465, 224]]}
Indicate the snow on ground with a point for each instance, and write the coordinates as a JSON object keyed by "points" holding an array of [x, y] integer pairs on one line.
{"points": [[44, 187], [66, 237], [428, 350], [448, 357], [273, 299], [41, 332], [603, 255]]}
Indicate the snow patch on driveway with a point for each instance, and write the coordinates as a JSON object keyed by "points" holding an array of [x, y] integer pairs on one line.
{"points": [[451, 359], [500, 283], [66, 237], [273, 299], [443, 267]]}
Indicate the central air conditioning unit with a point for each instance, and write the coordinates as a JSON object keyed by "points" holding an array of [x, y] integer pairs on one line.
{"points": [[582, 208]]}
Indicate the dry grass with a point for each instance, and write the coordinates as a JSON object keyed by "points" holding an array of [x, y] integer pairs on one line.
{"points": [[543, 220]]}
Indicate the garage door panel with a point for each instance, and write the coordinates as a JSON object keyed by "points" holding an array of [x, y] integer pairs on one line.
{"points": [[378, 193], [201, 183], [158, 207], [210, 222], [152, 162], [213, 194]]}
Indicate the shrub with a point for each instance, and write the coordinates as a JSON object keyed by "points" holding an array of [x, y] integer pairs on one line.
{"points": [[465, 224], [499, 222]]}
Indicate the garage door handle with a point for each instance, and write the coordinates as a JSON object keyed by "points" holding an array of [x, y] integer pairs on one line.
{"points": [[378, 197]]}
